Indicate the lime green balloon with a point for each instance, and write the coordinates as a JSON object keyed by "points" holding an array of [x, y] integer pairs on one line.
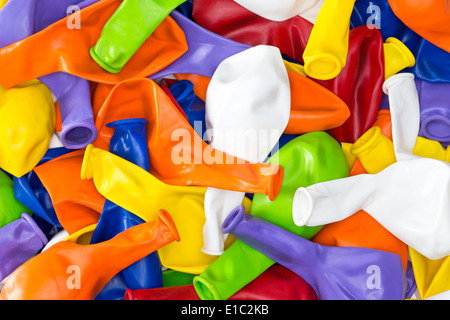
{"points": [[174, 278], [308, 159], [10, 208], [127, 29]]}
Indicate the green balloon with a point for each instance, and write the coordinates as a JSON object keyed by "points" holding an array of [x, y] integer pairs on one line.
{"points": [[127, 29], [10, 208], [306, 160], [174, 278]]}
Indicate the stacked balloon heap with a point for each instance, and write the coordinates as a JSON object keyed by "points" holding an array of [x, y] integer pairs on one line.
{"points": [[226, 149]]}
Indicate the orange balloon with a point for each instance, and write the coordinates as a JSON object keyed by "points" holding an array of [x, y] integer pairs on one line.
{"points": [[71, 271], [77, 202], [384, 122], [59, 48], [428, 18], [177, 154], [313, 107]]}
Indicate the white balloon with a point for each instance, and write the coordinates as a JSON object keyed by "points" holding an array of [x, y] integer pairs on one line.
{"points": [[247, 109]]}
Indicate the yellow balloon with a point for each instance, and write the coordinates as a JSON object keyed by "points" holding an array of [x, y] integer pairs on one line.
{"points": [[295, 67], [82, 236], [427, 148], [2, 3], [347, 147], [374, 150], [326, 52], [397, 57], [28, 117], [139, 192], [432, 276]]}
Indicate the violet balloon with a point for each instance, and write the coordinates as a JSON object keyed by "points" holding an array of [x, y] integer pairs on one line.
{"points": [[206, 50], [335, 273], [23, 18], [20, 240]]}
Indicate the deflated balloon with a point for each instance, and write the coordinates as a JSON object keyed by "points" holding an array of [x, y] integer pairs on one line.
{"points": [[325, 54], [276, 283], [177, 154], [77, 204], [429, 18], [136, 190], [28, 122], [335, 273], [68, 50], [10, 208], [127, 29], [240, 264], [20, 240], [78, 272]]}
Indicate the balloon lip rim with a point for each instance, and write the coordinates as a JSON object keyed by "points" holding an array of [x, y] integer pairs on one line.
{"points": [[211, 252], [204, 282], [301, 219], [129, 294], [76, 125], [233, 219], [323, 56], [404, 49], [35, 227], [363, 144], [428, 120], [101, 63]]}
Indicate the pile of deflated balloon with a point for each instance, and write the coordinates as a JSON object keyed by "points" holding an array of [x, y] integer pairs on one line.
{"points": [[224, 150]]}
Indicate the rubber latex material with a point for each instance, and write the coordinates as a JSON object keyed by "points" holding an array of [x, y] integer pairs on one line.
{"points": [[431, 63], [434, 111], [20, 240], [313, 107], [324, 111], [170, 136], [136, 190], [90, 266], [432, 21], [240, 264], [431, 149], [397, 57], [364, 69], [78, 126], [173, 278], [326, 52], [129, 142], [25, 140], [398, 184], [70, 54], [335, 273], [276, 11], [242, 25], [127, 29], [2, 3], [276, 283], [10, 208], [30, 191], [77, 204], [243, 122], [431, 275], [75, 109], [374, 150]]}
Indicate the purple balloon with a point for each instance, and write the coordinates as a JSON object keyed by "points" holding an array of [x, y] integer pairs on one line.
{"points": [[206, 50], [20, 19], [20, 240], [335, 273], [434, 111]]}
